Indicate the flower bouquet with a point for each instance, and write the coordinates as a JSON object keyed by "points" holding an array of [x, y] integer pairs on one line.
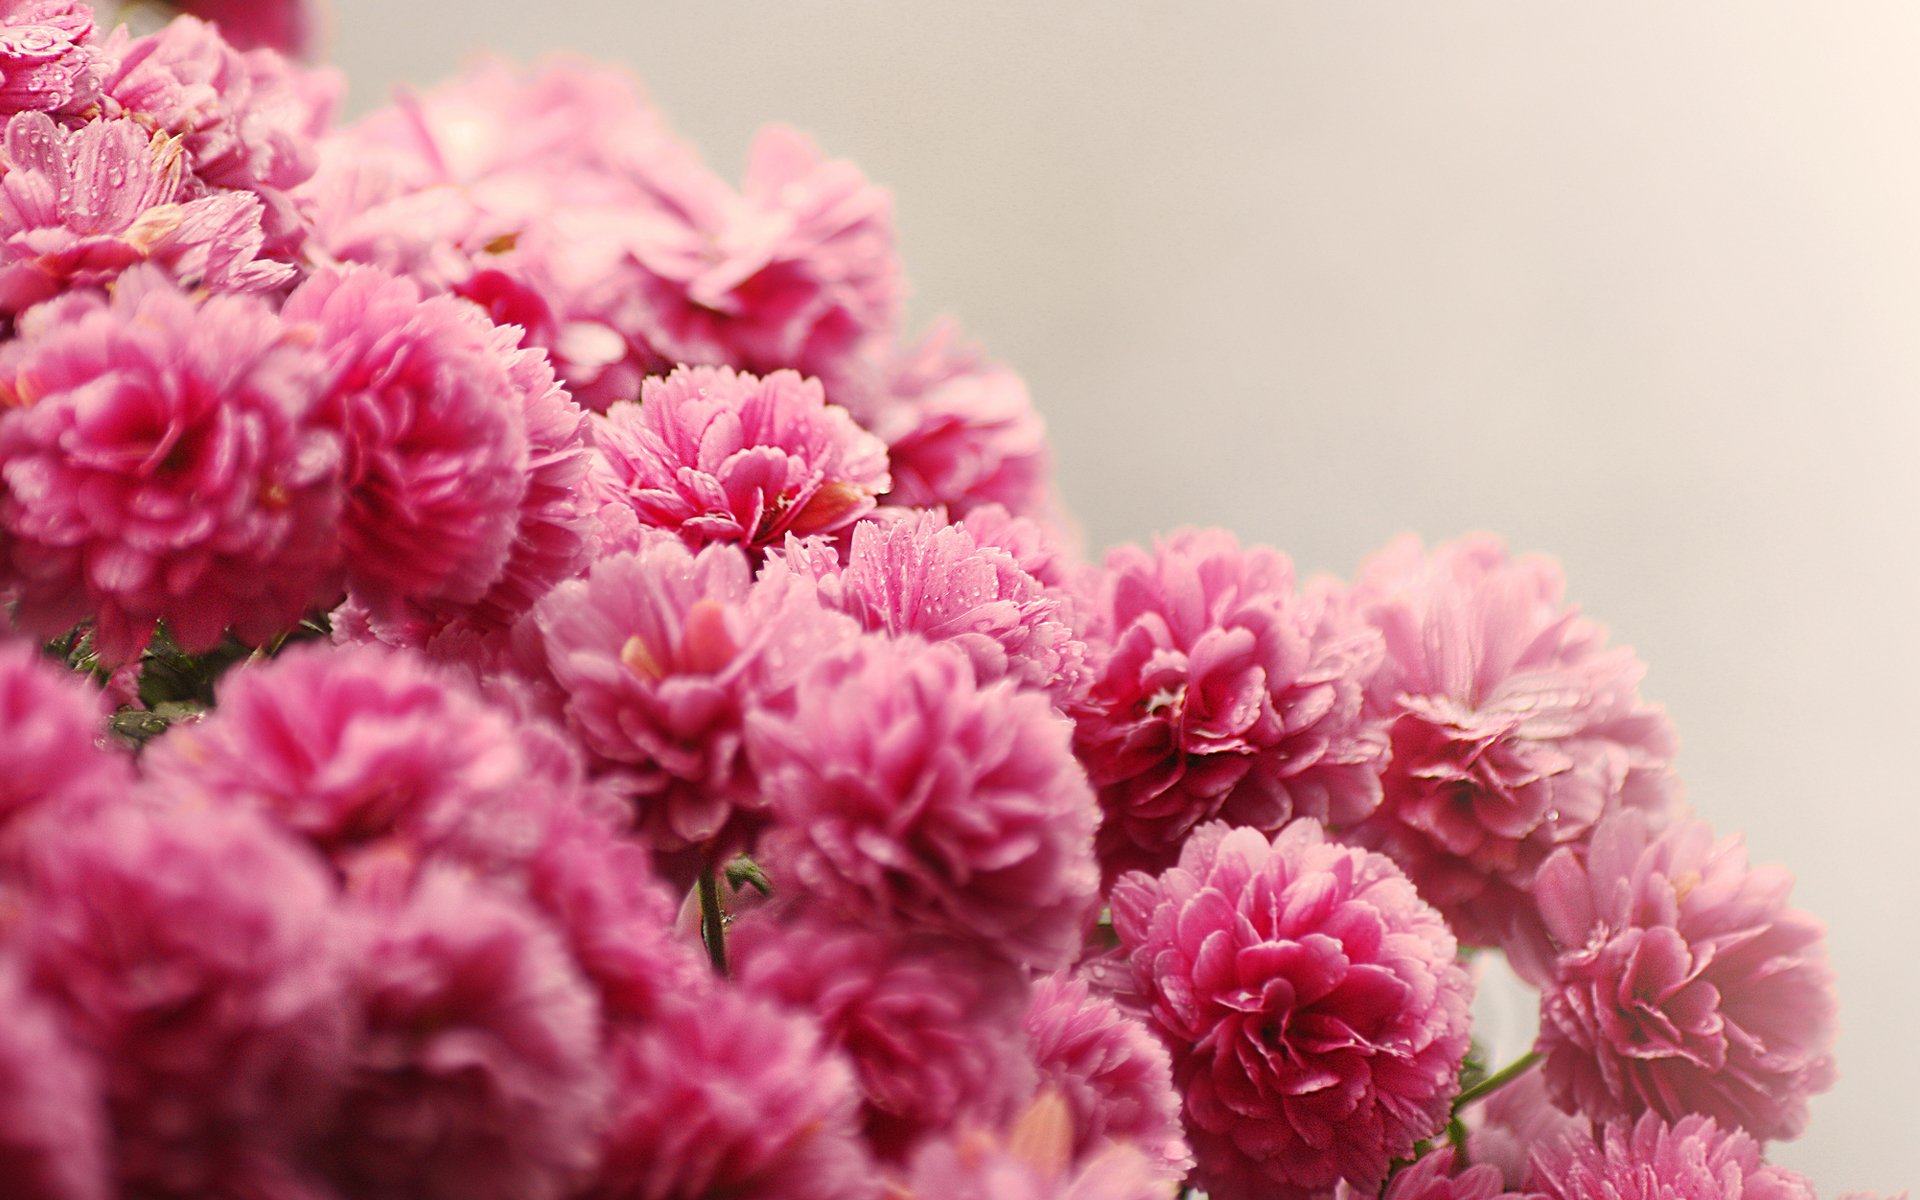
{"points": [[522, 681]]}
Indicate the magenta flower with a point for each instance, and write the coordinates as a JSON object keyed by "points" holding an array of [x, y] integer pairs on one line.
{"points": [[722, 457], [283, 25], [1514, 726], [920, 575], [908, 797], [1311, 1002], [1221, 693], [660, 655], [1684, 983], [428, 404], [725, 1094], [199, 959], [161, 463], [1692, 1159], [932, 1028], [476, 1073], [80, 206], [53, 1119], [53, 755], [1114, 1075], [48, 62]]}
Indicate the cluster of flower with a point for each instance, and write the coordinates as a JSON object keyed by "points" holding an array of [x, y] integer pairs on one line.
{"points": [[669, 747]]}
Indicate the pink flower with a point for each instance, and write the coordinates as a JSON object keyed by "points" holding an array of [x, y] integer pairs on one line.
{"points": [[53, 1120], [1684, 983], [1433, 1177], [921, 575], [1221, 693], [1310, 999], [718, 456], [428, 403], [931, 1028], [1504, 1129], [80, 206], [47, 59], [161, 464], [725, 1094], [283, 25], [1032, 1161], [200, 960], [477, 1073], [1515, 727], [908, 797], [53, 753], [660, 655], [1115, 1076], [1692, 1159]]}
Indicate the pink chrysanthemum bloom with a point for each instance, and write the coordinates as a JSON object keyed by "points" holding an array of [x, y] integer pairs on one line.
{"points": [[52, 752], [47, 59], [477, 1072], [429, 406], [1044, 551], [368, 754], [1433, 1177], [162, 463], [723, 457], [283, 25], [1115, 1076], [932, 1028], [80, 206], [1515, 727], [249, 121], [908, 797], [1684, 983], [1311, 1002], [53, 1119], [660, 655], [961, 432], [1221, 693], [200, 960], [1692, 1159], [726, 1094], [1033, 1160], [924, 576]]}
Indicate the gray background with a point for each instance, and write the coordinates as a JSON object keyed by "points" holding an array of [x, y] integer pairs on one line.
{"points": [[1636, 284]]}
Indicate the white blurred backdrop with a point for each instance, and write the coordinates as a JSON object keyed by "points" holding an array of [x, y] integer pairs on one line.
{"points": [[1635, 284]]}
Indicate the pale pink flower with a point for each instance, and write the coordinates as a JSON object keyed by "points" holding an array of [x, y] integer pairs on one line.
{"points": [[48, 62], [1221, 692], [1310, 999], [53, 1117], [162, 463], [79, 206], [1515, 727], [932, 1028], [431, 411], [476, 1072], [1504, 1129], [1691, 1159], [909, 797], [726, 1094], [723, 457], [1032, 1160], [660, 655], [1684, 983], [200, 960]]}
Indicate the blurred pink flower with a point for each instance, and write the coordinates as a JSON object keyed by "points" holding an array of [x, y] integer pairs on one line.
{"points": [[932, 1028], [200, 959], [722, 457], [725, 1094], [1221, 692], [1434, 1177], [162, 463], [54, 752], [1115, 1076], [1692, 1159], [1310, 999], [427, 402], [286, 26], [476, 1071], [1514, 726], [1033, 1160], [53, 1118], [1684, 983], [48, 62], [908, 797], [1504, 1129]]}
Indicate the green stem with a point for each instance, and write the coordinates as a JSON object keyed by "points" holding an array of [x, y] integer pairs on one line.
{"points": [[713, 922], [1499, 1079]]}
